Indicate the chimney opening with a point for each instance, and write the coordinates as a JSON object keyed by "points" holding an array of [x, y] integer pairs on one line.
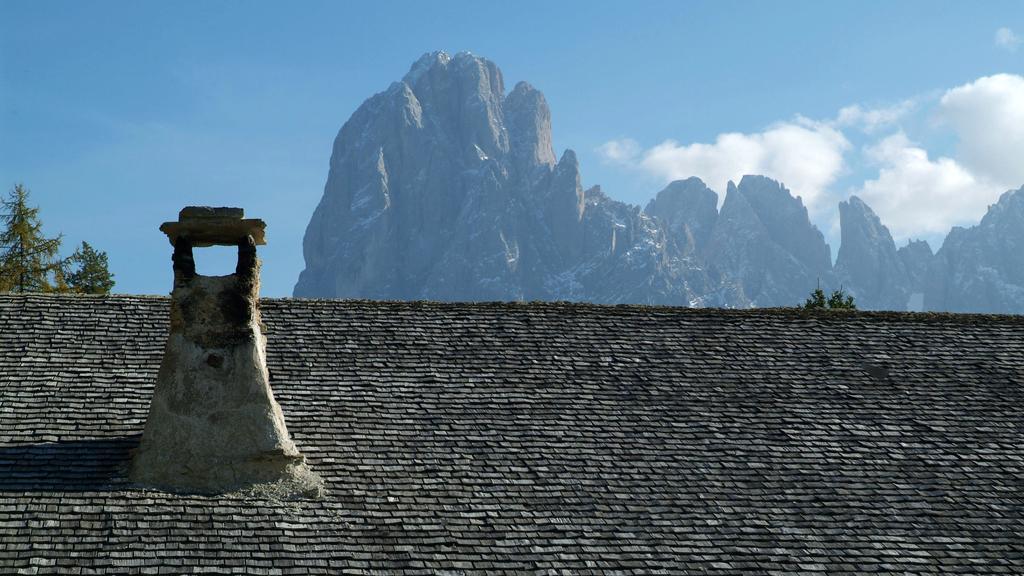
{"points": [[215, 260]]}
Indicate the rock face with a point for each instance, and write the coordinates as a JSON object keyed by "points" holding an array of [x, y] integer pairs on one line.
{"points": [[917, 258], [688, 210], [868, 265], [213, 423], [444, 187], [981, 268], [765, 243]]}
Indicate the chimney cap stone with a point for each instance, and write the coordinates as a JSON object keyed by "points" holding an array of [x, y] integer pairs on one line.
{"points": [[214, 226], [193, 212]]}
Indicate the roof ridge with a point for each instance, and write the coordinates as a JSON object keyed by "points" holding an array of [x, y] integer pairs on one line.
{"points": [[629, 309]]}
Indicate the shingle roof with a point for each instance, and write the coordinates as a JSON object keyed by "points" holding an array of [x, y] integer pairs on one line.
{"points": [[536, 437]]}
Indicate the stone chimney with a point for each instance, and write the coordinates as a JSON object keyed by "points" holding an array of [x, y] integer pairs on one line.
{"points": [[213, 424]]}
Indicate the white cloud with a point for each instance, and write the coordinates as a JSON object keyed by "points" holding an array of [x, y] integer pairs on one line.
{"points": [[918, 195], [914, 192], [806, 156], [915, 195], [624, 151], [871, 120], [988, 117], [1005, 38]]}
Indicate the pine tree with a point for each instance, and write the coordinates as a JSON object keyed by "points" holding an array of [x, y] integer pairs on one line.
{"points": [[838, 300], [816, 299], [27, 258], [91, 275]]}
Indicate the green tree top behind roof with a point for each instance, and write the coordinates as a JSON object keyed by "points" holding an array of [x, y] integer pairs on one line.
{"points": [[28, 259], [838, 300], [91, 276]]}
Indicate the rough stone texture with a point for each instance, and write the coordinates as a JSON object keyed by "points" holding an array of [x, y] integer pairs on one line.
{"points": [[981, 268], [211, 212], [209, 226], [535, 438], [213, 424]]}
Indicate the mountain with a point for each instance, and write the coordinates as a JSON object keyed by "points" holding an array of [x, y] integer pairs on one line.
{"points": [[917, 258], [445, 187], [764, 241], [981, 268], [869, 266], [688, 210]]}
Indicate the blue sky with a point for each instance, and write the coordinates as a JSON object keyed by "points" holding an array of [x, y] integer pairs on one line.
{"points": [[117, 114]]}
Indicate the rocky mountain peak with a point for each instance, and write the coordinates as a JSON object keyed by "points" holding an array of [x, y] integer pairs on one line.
{"points": [[785, 218], [917, 258], [528, 119], [859, 209], [463, 96], [764, 243], [425, 64], [981, 268], [1007, 211], [868, 265], [917, 250], [688, 210], [445, 187]]}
